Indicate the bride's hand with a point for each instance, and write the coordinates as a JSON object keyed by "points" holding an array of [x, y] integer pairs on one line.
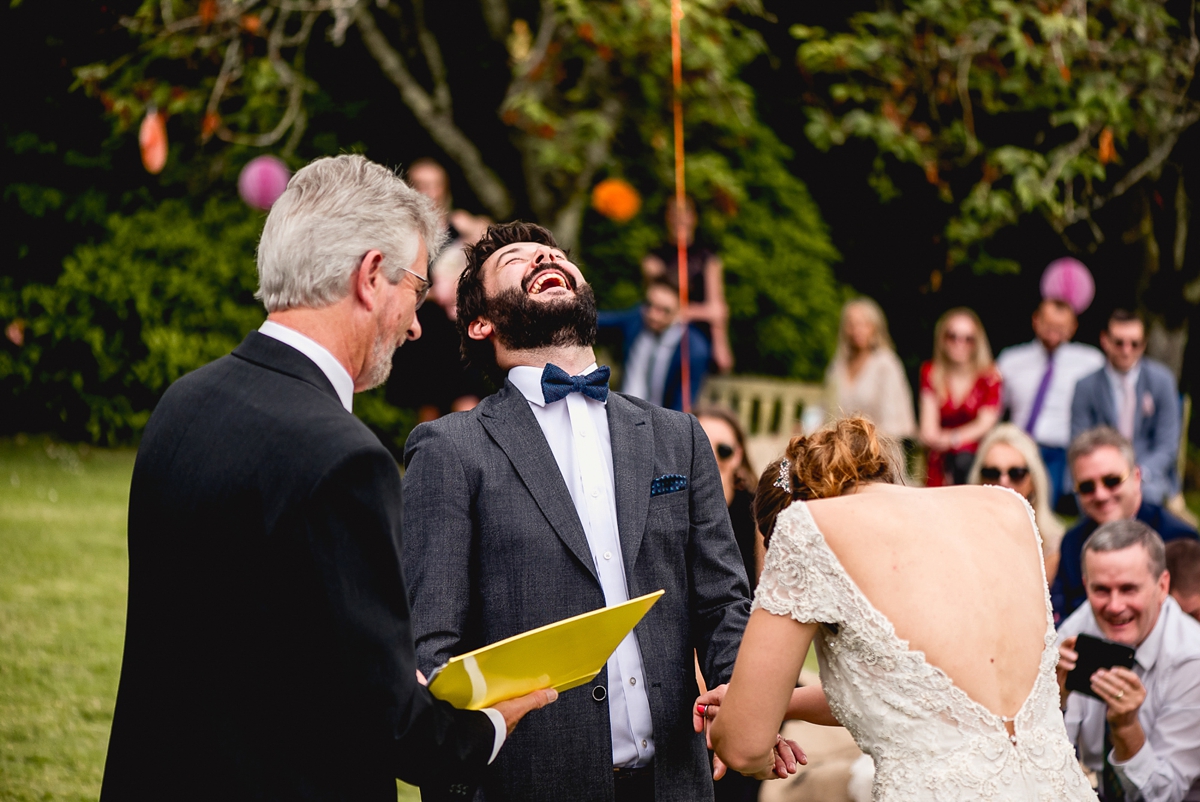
{"points": [[788, 758]]}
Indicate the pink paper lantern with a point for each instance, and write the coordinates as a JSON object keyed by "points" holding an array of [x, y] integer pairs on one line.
{"points": [[1070, 281], [262, 181]]}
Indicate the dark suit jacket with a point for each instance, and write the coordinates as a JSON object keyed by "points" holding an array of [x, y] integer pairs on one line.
{"points": [[630, 324], [1067, 592], [1156, 423], [495, 547], [268, 649]]}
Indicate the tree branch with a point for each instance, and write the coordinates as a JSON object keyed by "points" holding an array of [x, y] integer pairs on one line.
{"points": [[486, 184], [433, 57]]}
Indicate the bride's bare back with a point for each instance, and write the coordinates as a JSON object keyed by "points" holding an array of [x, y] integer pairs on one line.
{"points": [[957, 571]]}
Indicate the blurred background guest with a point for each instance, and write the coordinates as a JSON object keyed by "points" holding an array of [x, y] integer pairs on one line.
{"points": [[1008, 457], [960, 396], [738, 481], [866, 377], [706, 307], [448, 385], [1183, 563], [1108, 483], [1139, 398], [652, 334], [429, 178], [1040, 376]]}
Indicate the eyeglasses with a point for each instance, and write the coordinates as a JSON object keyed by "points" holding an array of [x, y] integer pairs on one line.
{"points": [[1088, 486], [423, 290], [990, 473], [724, 451], [1120, 344], [954, 336]]}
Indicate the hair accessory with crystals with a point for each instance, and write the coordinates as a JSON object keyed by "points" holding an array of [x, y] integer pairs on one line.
{"points": [[784, 482]]}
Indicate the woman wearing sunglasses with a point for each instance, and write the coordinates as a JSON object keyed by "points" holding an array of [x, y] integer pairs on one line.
{"points": [[960, 396], [1008, 457]]}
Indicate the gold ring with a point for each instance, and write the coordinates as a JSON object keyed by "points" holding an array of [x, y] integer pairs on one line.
{"points": [[1120, 694]]}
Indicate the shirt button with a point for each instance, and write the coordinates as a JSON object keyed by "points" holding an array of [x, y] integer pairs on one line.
{"points": [[608, 555], [633, 681], [643, 743], [582, 433], [595, 492]]}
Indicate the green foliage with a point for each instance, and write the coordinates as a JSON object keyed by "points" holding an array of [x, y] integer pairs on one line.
{"points": [[1010, 107], [170, 289]]}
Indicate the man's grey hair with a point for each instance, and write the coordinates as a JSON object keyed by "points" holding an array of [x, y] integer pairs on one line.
{"points": [[332, 213], [1117, 535], [1101, 436]]}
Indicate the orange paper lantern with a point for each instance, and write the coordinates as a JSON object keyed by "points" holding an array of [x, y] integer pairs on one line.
{"points": [[152, 138], [616, 199]]}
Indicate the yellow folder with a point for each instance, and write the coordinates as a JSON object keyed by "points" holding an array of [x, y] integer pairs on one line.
{"points": [[561, 655]]}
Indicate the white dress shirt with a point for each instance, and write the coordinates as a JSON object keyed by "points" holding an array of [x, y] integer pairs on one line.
{"points": [[339, 377], [576, 428], [1119, 384], [1167, 767], [1022, 367]]}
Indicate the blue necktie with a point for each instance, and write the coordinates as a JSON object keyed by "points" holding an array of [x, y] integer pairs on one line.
{"points": [[556, 384]]}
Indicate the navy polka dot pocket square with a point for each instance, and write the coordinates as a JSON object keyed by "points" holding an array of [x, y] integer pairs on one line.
{"points": [[668, 483]]}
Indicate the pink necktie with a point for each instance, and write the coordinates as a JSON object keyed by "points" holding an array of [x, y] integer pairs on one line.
{"points": [[1128, 407]]}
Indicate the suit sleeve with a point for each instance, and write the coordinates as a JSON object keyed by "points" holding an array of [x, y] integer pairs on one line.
{"points": [[1082, 418], [720, 604], [1158, 462], [439, 537], [353, 530]]}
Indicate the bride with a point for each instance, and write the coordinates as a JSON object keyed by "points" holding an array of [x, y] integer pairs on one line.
{"points": [[932, 623]]}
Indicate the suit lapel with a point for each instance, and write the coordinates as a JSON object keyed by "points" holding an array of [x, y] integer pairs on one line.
{"points": [[511, 424], [632, 437], [1113, 404]]}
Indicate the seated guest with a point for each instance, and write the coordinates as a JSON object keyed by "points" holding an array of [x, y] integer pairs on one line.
{"points": [[1139, 398], [1008, 457], [737, 480], [866, 377], [960, 396], [1142, 735], [1109, 485], [1040, 375], [652, 334], [1183, 564]]}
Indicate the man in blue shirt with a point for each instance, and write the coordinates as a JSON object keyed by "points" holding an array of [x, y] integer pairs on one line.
{"points": [[1108, 483]]}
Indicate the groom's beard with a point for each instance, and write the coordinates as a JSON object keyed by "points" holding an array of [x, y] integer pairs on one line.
{"points": [[524, 324]]}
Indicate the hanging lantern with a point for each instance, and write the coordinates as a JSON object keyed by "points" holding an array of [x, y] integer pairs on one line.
{"points": [[152, 139], [262, 181], [1068, 280], [616, 199]]}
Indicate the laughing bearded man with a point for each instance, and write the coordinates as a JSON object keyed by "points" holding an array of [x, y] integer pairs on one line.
{"points": [[555, 497]]}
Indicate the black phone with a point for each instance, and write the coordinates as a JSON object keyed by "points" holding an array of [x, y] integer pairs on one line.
{"points": [[1095, 654]]}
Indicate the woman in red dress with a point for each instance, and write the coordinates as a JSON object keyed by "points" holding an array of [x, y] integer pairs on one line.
{"points": [[960, 396]]}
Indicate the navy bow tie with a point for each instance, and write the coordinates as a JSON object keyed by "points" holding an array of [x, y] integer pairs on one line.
{"points": [[557, 384]]}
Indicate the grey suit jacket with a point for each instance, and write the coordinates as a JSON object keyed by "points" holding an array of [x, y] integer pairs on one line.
{"points": [[1155, 427], [494, 547]]}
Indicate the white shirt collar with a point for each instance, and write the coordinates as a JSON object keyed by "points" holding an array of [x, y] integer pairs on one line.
{"points": [[528, 380], [333, 370]]}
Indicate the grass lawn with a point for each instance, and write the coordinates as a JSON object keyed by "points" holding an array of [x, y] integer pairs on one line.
{"points": [[62, 615]]}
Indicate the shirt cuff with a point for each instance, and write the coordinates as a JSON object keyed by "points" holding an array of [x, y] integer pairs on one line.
{"points": [[501, 730], [1136, 772]]}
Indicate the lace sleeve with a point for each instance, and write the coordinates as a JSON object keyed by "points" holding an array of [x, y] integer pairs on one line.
{"points": [[799, 577]]}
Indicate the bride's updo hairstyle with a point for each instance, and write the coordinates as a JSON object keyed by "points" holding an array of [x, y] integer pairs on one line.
{"points": [[830, 462]]}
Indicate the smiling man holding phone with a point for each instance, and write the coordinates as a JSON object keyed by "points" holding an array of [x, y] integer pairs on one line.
{"points": [[1139, 730]]}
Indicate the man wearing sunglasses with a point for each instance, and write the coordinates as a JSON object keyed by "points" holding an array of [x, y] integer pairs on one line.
{"points": [[269, 650], [1108, 484], [1138, 397]]}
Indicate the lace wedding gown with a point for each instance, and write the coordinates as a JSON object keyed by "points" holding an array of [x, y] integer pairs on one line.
{"points": [[929, 740]]}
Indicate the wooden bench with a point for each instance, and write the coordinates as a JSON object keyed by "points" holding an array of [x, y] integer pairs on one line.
{"points": [[770, 410]]}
